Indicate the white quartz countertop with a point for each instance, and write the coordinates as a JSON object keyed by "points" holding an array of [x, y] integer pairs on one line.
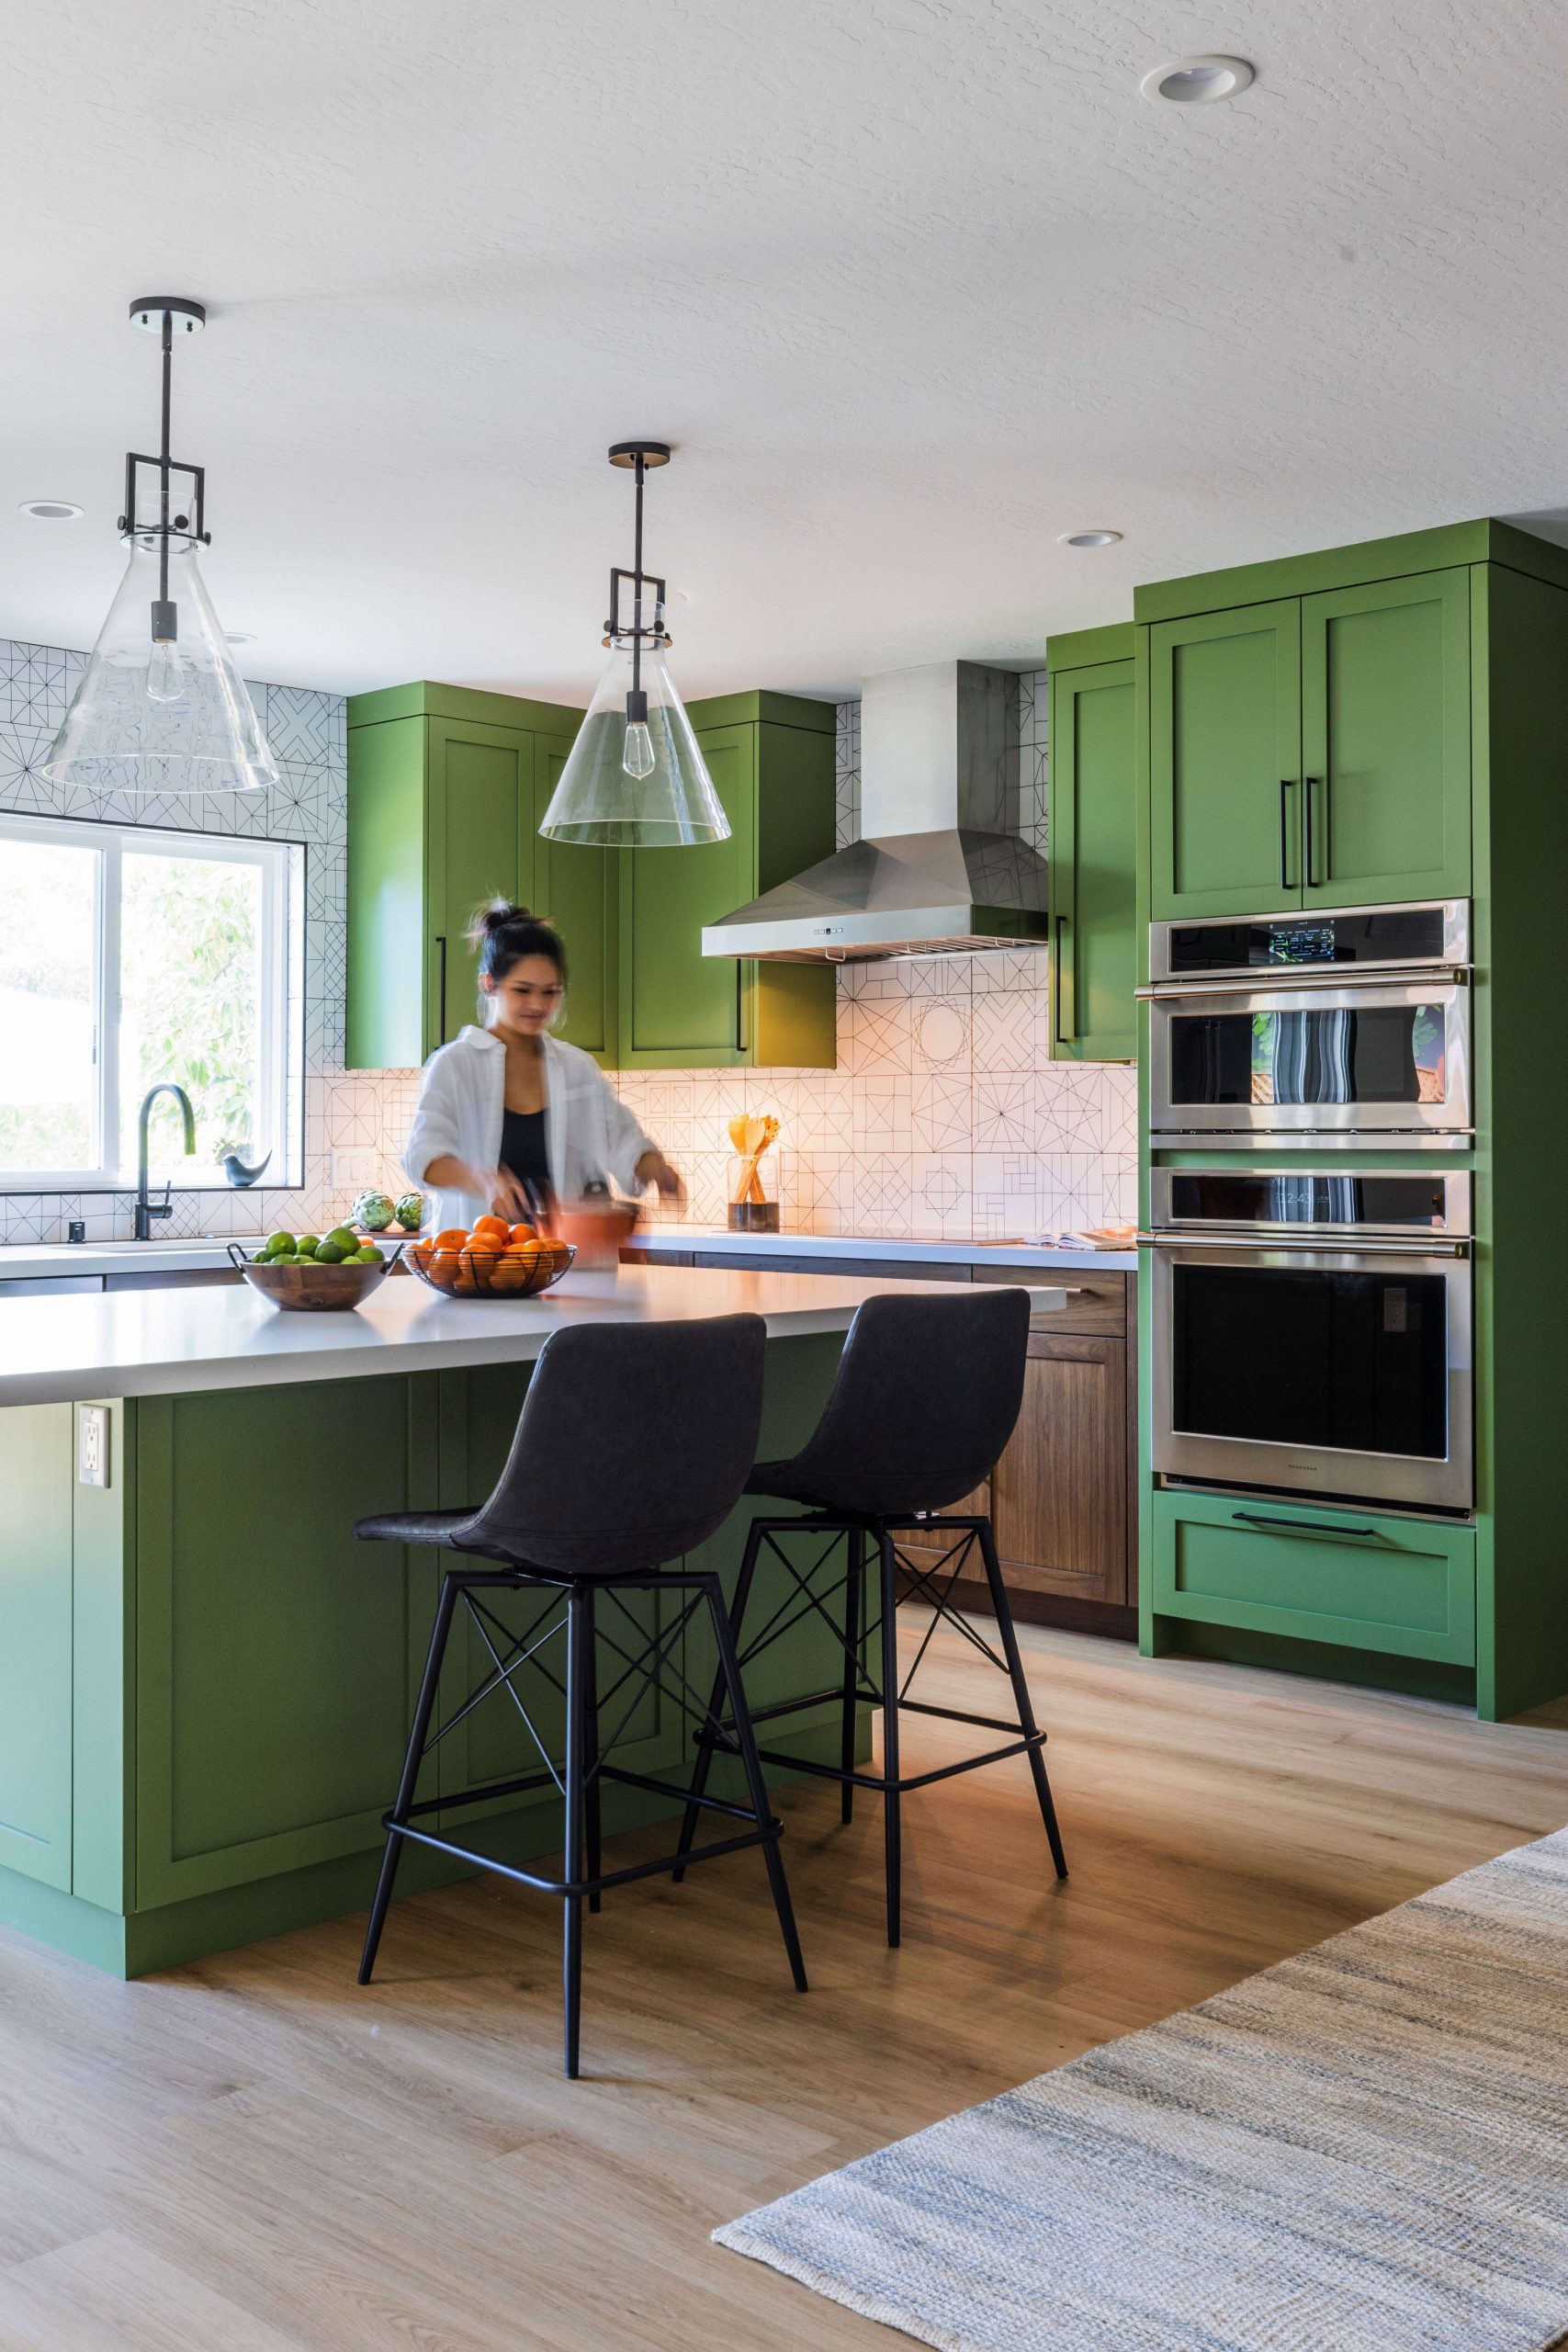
{"points": [[177, 1342], [828, 1245]]}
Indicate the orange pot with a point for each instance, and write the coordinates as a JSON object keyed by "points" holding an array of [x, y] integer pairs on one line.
{"points": [[595, 1229]]}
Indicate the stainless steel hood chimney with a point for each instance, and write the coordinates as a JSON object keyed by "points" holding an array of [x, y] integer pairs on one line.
{"points": [[940, 864]]}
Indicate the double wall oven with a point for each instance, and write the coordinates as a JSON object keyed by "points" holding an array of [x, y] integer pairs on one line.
{"points": [[1311, 1320]]}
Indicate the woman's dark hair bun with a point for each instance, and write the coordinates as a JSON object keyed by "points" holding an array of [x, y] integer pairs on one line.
{"points": [[504, 935]]}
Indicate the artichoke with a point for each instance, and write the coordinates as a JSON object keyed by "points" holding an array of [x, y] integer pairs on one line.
{"points": [[372, 1210], [409, 1210]]}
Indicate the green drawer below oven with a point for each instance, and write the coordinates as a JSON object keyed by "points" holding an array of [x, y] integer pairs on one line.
{"points": [[1370, 1581]]}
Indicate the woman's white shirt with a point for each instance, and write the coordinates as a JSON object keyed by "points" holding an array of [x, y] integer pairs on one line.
{"points": [[591, 1133]]}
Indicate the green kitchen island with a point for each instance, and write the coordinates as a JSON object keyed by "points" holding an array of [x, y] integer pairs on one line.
{"points": [[206, 1682]]}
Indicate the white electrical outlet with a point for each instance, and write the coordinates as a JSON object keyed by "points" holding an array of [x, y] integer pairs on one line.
{"points": [[93, 1445], [357, 1167]]}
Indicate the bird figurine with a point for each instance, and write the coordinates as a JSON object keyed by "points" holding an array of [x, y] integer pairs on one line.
{"points": [[239, 1175]]}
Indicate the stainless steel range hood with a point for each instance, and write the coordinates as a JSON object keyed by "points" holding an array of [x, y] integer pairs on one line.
{"points": [[939, 865]]}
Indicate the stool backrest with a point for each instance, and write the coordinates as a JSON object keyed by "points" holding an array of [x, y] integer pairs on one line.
{"points": [[632, 1444], [927, 1395]]}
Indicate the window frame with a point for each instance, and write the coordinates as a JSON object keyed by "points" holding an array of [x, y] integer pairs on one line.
{"points": [[280, 1012]]}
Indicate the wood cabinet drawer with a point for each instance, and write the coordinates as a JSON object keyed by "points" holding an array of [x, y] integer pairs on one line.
{"points": [[1365, 1579], [1096, 1304]]}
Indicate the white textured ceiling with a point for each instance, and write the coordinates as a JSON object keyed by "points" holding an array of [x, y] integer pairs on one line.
{"points": [[914, 286]]}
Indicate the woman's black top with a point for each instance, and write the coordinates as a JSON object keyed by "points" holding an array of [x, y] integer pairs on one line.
{"points": [[525, 1149]]}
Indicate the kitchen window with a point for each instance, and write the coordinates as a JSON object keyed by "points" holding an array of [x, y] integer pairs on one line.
{"points": [[130, 955]]}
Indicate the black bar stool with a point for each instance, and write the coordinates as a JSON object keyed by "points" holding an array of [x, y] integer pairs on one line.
{"points": [[927, 1394], [632, 1448]]}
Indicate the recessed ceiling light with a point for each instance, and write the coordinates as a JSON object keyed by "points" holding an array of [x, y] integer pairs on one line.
{"points": [[50, 510], [240, 636], [1196, 81], [1088, 538]]}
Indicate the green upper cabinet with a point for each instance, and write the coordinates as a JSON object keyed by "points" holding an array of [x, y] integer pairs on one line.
{"points": [[1385, 740], [1224, 762], [1312, 747], [770, 757], [447, 786], [1092, 835]]}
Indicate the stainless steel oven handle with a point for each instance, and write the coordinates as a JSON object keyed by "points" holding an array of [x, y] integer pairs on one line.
{"points": [[1265, 978], [1347, 1243]]}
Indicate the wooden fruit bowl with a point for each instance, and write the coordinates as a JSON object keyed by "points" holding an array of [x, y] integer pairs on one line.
{"points": [[329, 1289], [482, 1275]]}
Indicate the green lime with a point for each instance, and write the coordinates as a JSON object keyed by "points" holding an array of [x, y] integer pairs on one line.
{"points": [[330, 1252], [346, 1237], [278, 1242], [284, 1258], [368, 1256], [307, 1241]]}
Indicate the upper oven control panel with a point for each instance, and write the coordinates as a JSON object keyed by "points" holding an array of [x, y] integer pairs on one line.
{"points": [[1339, 941]]}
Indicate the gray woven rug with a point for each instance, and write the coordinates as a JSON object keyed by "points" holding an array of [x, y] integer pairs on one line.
{"points": [[1362, 2149]]}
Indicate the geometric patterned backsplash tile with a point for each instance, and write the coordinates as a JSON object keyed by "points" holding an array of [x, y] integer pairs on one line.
{"points": [[946, 1117], [364, 1111], [943, 1117]]}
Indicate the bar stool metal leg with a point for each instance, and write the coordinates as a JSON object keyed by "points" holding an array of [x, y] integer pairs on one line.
{"points": [[425, 1708], [704, 1764], [854, 1580], [1001, 1609], [892, 1822], [571, 1869], [591, 1740], [746, 1741]]}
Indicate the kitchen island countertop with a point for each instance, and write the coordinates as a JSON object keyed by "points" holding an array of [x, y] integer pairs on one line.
{"points": [[180, 1341]]}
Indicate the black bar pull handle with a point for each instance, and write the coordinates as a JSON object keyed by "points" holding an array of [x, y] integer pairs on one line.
{"points": [[1309, 786], [1067, 1005], [1303, 1526], [441, 989], [1287, 786]]}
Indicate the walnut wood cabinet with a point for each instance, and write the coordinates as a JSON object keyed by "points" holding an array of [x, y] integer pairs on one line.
{"points": [[1063, 1497]]}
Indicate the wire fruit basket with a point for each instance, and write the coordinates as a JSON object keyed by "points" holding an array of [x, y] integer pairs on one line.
{"points": [[521, 1271]]}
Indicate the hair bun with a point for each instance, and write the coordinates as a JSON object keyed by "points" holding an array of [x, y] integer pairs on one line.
{"points": [[501, 912]]}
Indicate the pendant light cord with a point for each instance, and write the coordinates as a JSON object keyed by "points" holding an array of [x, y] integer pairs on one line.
{"points": [[163, 462], [636, 604]]}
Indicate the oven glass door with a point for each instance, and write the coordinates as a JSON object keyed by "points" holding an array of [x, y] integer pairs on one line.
{"points": [[1337, 1371], [1387, 1059]]}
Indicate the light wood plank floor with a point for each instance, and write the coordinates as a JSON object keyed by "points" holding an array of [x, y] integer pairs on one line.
{"points": [[253, 2155]]}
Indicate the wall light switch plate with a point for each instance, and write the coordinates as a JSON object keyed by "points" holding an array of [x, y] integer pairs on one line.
{"points": [[357, 1168], [92, 1445]]}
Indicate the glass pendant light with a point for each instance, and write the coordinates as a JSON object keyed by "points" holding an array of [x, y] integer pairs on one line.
{"points": [[163, 710], [635, 777]]}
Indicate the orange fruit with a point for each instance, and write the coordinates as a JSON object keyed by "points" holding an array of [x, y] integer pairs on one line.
{"points": [[524, 1232], [455, 1237], [509, 1274], [496, 1225]]}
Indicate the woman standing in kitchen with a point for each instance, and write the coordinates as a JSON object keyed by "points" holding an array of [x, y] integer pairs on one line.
{"points": [[510, 1110]]}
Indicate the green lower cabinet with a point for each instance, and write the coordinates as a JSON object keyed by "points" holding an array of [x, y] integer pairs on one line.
{"points": [[1364, 1579], [276, 1657], [1093, 827], [207, 1680]]}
